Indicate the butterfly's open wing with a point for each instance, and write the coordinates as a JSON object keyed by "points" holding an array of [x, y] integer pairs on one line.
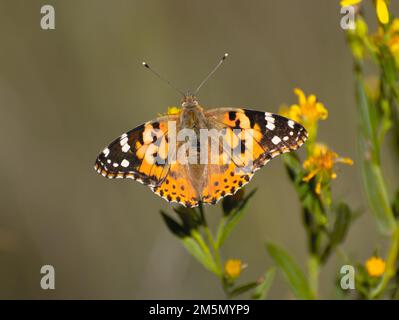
{"points": [[259, 137], [142, 154], [137, 154]]}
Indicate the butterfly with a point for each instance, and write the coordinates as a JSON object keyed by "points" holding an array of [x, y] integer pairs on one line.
{"points": [[191, 170]]}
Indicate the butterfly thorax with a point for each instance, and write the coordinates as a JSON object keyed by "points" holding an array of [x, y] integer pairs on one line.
{"points": [[189, 100], [192, 117]]}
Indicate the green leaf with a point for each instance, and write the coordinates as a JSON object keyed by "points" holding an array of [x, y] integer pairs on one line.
{"points": [[232, 202], [395, 205], [310, 201], [262, 289], [294, 167], [377, 196], [195, 250], [242, 289], [190, 218], [173, 226], [228, 223], [342, 221], [292, 273], [373, 180], [193, 242]]}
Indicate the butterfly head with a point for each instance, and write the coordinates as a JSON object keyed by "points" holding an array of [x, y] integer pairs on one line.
{"points": [[189, 101]]}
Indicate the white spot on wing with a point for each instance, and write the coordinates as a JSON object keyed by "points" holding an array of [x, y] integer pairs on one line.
{"points": [[270, 119], [270, 126], [125, 147], [291, 124], [124, 163], [106, 152], [276, 140], [123, 141]]}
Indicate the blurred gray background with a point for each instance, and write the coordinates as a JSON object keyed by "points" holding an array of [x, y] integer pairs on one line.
{"points": [[66, 93]]}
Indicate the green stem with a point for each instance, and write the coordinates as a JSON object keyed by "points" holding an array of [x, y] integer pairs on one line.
{"points": [[313, 273], [216, 253], [390, 265]]}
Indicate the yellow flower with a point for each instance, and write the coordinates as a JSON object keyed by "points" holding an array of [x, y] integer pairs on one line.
{"points": [[233, 268], [347, 3], [393, 39], [173, 110], [375, 266], [320, 164], [307, 112], [382, 11]]}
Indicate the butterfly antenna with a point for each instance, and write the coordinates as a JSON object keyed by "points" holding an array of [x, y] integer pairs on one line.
{"points": [[145, 64], [212, 72]]}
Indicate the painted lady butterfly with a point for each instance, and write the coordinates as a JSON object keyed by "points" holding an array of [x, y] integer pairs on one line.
{"points": [[143, 154], [180, 156]]}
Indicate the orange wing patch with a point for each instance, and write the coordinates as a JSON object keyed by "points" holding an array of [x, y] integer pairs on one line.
{"points": [[272, 134], [177, 187], [153, 152], [223, 181]]}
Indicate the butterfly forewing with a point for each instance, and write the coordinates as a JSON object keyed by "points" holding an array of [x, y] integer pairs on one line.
{"points": [[260, 136], [272, 134], [133, 154]]}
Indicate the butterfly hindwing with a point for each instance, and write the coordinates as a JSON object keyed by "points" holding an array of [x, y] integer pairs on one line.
{"points": [[178, 187]]}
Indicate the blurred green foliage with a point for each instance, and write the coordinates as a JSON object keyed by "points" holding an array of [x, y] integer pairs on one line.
{"points": [[326, 220]]}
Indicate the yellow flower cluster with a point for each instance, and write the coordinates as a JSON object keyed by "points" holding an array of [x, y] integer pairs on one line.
{"points": [[321, 164], [375, 266], [320, 160], [386, 36]]}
